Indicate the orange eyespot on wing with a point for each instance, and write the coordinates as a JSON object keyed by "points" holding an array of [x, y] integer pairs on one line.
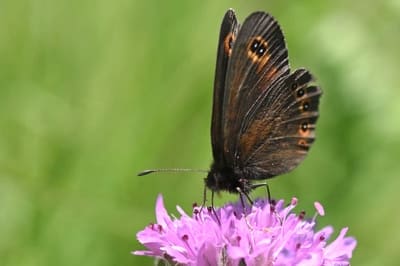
{"points": [[228, 43], [304, 144], [257, 51], [306, 130]]}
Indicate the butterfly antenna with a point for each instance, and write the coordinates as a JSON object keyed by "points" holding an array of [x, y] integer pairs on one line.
{"points": [[171, 170]]}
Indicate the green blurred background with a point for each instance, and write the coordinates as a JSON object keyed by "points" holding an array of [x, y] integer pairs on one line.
{"points": [[91, 92]]}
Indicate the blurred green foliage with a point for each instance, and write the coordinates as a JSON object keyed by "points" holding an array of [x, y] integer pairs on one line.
{"points": [[91, 92]]}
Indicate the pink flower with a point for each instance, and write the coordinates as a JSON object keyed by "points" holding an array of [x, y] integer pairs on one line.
{"points": [[265, 235]]}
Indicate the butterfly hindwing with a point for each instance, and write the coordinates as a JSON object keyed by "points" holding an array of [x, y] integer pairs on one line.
{"points": [[282, 129]]}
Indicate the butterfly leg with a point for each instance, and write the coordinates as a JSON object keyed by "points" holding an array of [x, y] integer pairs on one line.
{"points": [[210, 209], [245, 188], [204, 196], [254, 186], [241, 194], [270, 200], [213, 209]]}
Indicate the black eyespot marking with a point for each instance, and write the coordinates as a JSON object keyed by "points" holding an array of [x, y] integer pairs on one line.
{"points": [[254, 46], [300, 93], [304, 126], [306, 106], [258, 47], [261, 51]]}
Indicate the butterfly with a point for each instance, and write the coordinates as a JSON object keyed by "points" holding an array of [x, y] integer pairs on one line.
{"points": [[263, 115]]}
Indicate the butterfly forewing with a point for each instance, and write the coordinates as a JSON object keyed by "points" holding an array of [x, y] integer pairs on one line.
{"points": [[259, 59], [227, 37]]}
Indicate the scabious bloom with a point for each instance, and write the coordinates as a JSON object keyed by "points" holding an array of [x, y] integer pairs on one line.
{"points": [[261, 234]]}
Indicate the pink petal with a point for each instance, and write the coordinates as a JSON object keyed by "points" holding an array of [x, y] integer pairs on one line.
{"points": [[320, 209]]}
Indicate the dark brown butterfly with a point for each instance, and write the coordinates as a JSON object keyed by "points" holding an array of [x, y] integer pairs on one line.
{"points": [[264, 116]]}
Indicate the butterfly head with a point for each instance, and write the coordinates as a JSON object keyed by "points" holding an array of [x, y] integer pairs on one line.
{"points": [[225, 178]]}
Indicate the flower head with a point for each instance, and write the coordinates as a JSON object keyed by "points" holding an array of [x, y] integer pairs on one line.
{"points": [[261, 234]]}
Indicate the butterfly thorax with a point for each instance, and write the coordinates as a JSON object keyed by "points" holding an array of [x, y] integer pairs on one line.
{"points": [[233, 180]]}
